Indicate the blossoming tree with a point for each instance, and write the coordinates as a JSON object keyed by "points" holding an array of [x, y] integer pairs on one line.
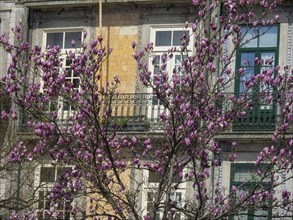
{"points": [[196, 105]]}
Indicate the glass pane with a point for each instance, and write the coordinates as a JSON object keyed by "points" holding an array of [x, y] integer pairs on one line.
{"points": [[150, 206], [75, 83], [68, 62], [67, 216], [177, 179], [178, 196], [153, 177], [54, 39], [69, 36], [47, 174], [40, 215], [260, 215], [178, 60], [242, 173], [176, 37], [266, 103], [157, 63], [248, 73], [47, 204], [268, 36], [75, 74], [163, 38], [41, 200], [68, 72], [249, 37], [266, 70], [150, 196], [61, 170], [247, 59], [268, 59], [65, 106], [241, 217], [67, 205]]}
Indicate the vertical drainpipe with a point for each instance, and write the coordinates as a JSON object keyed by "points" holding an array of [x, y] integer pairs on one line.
{"points": [[101, 46]]}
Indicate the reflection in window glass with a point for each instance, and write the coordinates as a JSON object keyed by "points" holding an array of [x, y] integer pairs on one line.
{"points": [[259, 37], [249, 39], [54, 39], [69, 36], [47, 174], [176, 37], [157, 64], [268, 37], [64, 39], [248, 73], [268, 59], [242, 173], [61, 170], [163, 38], [153, 177], [247, 59]]}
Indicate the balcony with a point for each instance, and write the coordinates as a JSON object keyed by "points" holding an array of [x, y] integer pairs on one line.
{"points": [[256, 121], [130, 112], [260, 117], [141, 113]]}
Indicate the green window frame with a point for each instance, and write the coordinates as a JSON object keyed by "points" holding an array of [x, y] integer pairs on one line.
{"points": [[235, 180], [264, 45]]}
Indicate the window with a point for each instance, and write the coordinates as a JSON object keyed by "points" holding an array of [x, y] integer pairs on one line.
{"points": [[163, 39], [257, 43], [244, 177], [150, 192], [65, 39], [169, 38], [48, 175], [258, 53]]}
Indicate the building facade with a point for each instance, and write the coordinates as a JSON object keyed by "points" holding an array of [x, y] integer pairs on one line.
{"points": [[137, 109]]}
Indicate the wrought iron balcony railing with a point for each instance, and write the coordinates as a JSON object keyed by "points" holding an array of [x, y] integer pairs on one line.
{"points": [[130, 112], [141, 112], [256, 120], [261, 116]]}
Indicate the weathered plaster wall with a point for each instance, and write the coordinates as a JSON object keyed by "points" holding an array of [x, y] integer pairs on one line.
{"points": [[119, 30]]}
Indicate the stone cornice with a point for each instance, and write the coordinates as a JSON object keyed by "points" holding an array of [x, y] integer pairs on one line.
{"points": [[75, 3]]}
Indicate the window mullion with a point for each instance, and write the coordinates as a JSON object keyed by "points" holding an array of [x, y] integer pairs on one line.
{"points": [[64, 41], [172, 36]]}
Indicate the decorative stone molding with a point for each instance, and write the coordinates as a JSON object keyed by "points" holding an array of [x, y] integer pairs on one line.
{"points": [[139, 46], [127, 10]]}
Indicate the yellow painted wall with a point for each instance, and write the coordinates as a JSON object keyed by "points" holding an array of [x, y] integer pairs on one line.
{"points": [[118, 31], [100, 204]]}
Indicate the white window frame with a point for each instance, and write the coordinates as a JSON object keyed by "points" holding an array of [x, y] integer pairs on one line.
{"points": [[159, 50], [41, 186], [62, 113], [156, 109], [149, 187], [59, 30], [172, 29]]}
